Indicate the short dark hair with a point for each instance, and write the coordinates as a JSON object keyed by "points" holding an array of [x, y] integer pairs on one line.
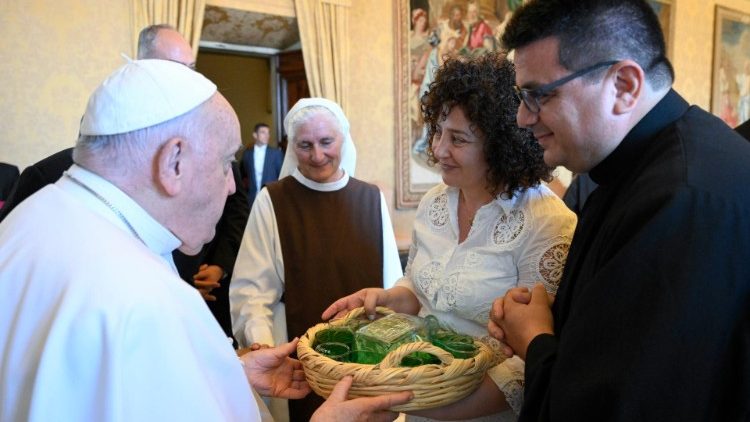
{"points": [[592, 31], [147, 37], [483, 88], [260, 125]]}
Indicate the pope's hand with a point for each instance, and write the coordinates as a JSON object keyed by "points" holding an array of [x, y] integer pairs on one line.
{"points": [[273, 373]]}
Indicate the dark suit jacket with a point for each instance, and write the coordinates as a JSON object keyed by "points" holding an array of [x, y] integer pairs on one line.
{"points": [[221, 251], [8, 177], [271, 169], [744, 130], [37, 176]]}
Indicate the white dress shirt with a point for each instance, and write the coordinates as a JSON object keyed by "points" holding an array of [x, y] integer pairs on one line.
{"points": [[512, 242], [259, 158]]}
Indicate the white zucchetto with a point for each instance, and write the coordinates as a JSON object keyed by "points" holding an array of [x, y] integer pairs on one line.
{"points": [[144, 93]]}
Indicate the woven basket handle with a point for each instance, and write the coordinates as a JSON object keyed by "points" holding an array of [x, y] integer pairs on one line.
{"points": [[357, 312], [393, 359]]}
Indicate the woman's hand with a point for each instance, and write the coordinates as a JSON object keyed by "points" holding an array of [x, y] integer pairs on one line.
{"points": [[338, 408], [369, 298], [399, 299]]}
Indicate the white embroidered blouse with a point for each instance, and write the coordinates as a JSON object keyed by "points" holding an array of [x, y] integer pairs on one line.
{"points": [[512, 242]]}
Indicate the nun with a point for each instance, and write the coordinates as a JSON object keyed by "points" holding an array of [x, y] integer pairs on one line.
{"points": [[315, 235]]}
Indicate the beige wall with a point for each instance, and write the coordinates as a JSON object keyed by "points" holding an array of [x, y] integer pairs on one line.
{"points": [[55, 52], [244, 81], [693, 46]]}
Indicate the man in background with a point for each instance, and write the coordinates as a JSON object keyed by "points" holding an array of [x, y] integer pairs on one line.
{"points": [[261, 164], [211, 268]]}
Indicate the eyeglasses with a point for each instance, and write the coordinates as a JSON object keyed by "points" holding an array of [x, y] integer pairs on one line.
{"points": [[531, 97]]}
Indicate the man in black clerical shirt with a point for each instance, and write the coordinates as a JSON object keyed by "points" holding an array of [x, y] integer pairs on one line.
{"points": [[651, 319]]}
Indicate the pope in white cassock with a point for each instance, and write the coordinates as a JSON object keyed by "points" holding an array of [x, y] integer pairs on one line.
{"points": [[95, 323]]}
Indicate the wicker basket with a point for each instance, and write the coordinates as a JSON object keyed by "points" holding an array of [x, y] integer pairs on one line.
{"points": [[433, 385]]}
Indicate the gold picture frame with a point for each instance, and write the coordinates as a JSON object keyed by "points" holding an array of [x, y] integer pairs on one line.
{"points": [[426, 32], [730, 80]]}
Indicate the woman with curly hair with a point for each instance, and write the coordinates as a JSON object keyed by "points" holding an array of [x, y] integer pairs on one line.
{"points": [[490, 226]]}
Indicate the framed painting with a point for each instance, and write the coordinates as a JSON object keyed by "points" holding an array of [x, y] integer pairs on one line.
{"points": [[428, 31], [730, 81], [664, 10]]}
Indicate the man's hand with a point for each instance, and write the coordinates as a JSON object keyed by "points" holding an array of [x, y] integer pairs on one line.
{"points": [[338, 408], [273, 373], [206, 279], [520, 316]]}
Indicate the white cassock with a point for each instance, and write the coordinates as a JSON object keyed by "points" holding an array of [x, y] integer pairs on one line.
{"points": [[95, 325]]}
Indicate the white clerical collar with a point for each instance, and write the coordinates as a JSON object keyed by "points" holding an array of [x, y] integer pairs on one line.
{"points": [[322, 187], [155, 236]]}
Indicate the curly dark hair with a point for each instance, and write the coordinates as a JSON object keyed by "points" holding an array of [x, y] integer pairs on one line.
{"points": [[483, 88]]}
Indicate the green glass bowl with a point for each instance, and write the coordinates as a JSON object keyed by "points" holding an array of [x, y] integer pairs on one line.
{"points": [[457, 347], [335, 335], [411, 361], [461, 350], [369, 357], [334, 350]]}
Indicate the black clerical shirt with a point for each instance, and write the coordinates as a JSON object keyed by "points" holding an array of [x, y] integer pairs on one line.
{"points": [[652, 318]]}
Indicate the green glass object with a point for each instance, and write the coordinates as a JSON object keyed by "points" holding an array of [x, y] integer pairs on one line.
{"points": [[419, 358], [335, 335], [369, 357], [334, 350], [458, 349], [411, 360], [432, 325], [426, 358], [387, 333], [356, 323]]}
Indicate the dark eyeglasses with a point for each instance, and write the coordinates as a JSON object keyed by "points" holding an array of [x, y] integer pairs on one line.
{"points": [[531, 97]]}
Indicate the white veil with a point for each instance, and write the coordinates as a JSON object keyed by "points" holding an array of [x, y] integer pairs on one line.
{"points": [[348, 151]]}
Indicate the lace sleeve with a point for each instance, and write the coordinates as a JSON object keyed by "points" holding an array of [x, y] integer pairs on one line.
{"points": [[508, 376]]}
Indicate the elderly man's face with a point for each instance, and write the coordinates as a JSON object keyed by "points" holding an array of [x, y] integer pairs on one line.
{"points": [[209, 178], [317, 144]]}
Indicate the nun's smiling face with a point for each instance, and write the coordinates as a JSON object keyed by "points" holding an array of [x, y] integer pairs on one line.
{"points": [[317, 144]]}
